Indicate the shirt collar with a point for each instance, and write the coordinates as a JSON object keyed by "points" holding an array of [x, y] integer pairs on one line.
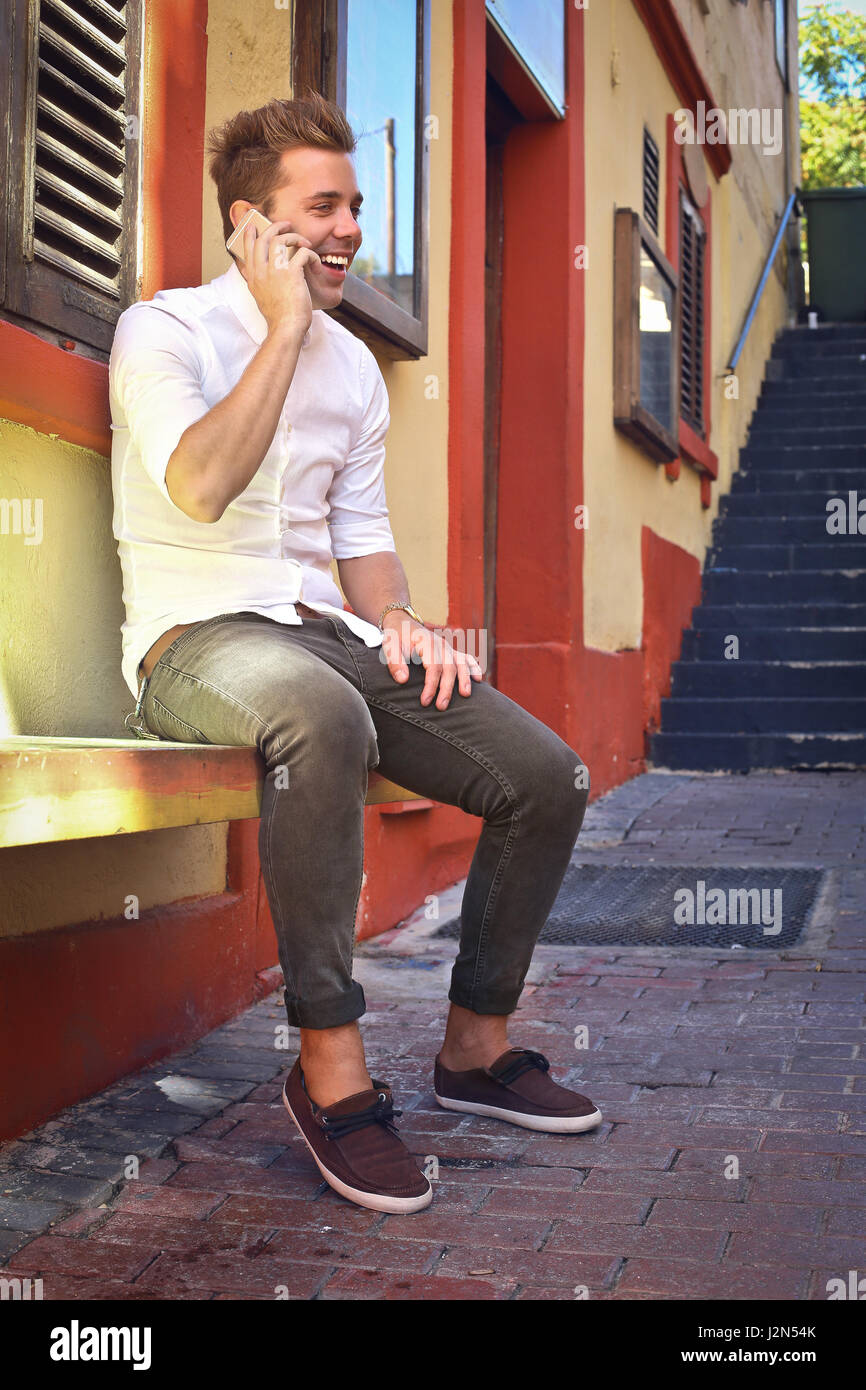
{"points": [[233, 288]]}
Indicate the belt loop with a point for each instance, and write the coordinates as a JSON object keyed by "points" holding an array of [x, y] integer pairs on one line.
{"points": [[139, 729]]}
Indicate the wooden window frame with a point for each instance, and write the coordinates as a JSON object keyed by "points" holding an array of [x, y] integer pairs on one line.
{"points": [[319, 62], [629, 415], [35, 295]]}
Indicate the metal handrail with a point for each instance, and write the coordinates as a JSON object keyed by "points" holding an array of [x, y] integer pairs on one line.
{"points": [[783, 222]]}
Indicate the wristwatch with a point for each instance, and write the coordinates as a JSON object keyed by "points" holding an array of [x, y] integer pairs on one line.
{"points": [[404, 607]]}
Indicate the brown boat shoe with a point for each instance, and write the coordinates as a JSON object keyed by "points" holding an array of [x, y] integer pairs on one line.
{"points": [[516, 1088], [356, 1147]]}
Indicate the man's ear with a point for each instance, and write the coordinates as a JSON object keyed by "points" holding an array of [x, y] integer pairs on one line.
{"points": [[239, 208]]}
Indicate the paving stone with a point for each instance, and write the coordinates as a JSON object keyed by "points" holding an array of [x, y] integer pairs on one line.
{"points": [[668, 1242], [266, 1276], [53, 1187], [73, 1288], [735, 1216], [590, 1270], [178, 1236], [167, 1201], [10, 1241], [373, 1284], [492, 1229], [19, 1214], [106, 1137], [666, 1278], [71, 1255]]}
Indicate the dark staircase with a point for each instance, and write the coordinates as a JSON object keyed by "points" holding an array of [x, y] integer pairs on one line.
{"points": [[793, 594]]}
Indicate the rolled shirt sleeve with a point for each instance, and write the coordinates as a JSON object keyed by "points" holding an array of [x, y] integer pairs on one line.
{"points": [[358, 518], [155, 374]]}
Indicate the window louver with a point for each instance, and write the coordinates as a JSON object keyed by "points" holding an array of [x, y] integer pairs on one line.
{"points": [[651, 182], [692, 237], [80, 139]]}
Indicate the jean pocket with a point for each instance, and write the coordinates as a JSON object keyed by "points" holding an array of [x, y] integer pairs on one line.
{"points": [[170, 727]]}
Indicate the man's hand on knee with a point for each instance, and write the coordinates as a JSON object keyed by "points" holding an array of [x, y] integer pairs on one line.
{"points": [[404, 640]]}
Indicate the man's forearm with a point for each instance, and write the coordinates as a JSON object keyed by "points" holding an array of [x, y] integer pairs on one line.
{"points": [[371, 582], [219, 455]]}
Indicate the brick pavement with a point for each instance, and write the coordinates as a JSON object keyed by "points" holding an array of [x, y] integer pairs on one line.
{"points": [[730, 1162]]}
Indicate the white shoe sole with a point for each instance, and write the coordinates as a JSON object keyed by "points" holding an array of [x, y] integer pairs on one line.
{"points": [[375, 1201], [548, 1124]]}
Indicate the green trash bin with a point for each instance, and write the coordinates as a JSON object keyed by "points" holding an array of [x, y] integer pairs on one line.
{"points": [[836, 219]]}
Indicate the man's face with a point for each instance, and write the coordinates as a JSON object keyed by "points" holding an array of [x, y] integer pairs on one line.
{"points": [[320, 199]]}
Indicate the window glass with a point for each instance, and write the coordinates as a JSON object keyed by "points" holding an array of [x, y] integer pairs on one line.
{"points": [[380, 106], [536, 30], [655, 329]]}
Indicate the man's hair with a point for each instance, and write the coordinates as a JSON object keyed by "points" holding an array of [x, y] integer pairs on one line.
{"points": [[246, 151]]}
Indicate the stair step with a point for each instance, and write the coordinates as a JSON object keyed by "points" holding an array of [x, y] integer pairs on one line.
{"points": [[775, 414], [755, 752], [791, 586], [775, 643], [739, 617], [769, 507], [839, 553], [817, 348], [785, 530], [768, 434], [807, 367], [801, 332], [815, 457], [766, 679], [832, 481], [756, 715], [821, 391]]}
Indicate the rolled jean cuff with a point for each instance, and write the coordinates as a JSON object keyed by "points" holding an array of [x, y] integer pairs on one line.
{"points": [[327, 1013], [484, 1001]]}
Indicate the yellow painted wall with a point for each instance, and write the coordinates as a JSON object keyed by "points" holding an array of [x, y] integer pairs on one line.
{"points": [[88, 880], [249, 63], [60, 617], [627, 89]]}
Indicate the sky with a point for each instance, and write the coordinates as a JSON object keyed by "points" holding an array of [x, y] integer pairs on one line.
{"points": [[858, 6]]}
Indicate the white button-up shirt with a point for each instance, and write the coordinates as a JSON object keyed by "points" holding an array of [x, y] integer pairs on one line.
{"points": [[318, 494]]}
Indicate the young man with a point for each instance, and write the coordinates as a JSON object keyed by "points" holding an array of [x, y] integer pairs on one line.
{"points": [[248, 452]]}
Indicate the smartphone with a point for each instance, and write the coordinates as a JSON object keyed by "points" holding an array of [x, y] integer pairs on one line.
{"points": [[236, 240]]}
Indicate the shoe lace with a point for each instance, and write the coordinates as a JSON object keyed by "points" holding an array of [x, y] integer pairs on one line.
{"points": [[380, 1112], [524, 1061]]}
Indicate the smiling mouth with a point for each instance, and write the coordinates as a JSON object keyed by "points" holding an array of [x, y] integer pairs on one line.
{"points": [[336, 263]]}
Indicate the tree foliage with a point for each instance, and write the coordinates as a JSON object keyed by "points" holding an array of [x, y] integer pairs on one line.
{"points": [[833, 97]]}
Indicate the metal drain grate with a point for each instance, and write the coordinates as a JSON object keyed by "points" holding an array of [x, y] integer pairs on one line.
{"points": [[623, 906]]}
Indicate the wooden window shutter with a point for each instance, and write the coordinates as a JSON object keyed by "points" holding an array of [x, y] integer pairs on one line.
{"points": [[650, 182], [72, 233], [692, 242]]}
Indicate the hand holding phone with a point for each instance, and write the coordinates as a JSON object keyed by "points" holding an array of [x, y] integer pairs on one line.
{"points": [[274, 260], [235, 242]]}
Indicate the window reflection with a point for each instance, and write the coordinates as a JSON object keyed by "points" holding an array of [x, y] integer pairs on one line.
{"points": [[380, 106], [655, 327]]}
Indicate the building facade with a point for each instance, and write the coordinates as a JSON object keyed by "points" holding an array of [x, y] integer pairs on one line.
{"points": [[563, 244]]}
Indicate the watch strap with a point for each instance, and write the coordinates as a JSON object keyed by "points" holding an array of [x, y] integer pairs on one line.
{"points": [[405, 607]]}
